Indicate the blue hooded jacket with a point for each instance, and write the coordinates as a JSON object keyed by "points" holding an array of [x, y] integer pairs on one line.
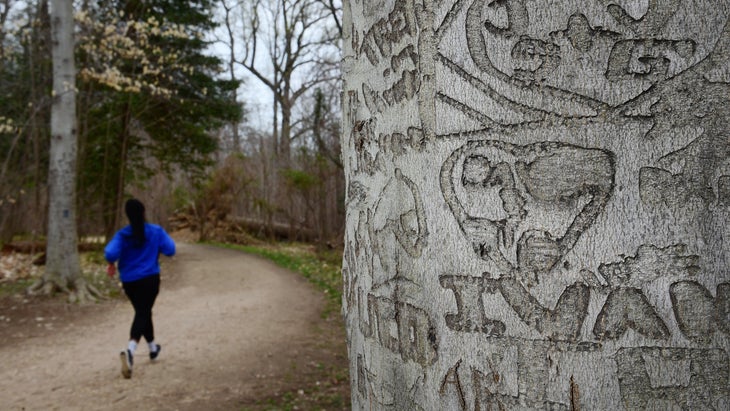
{"points": [[142, 261]]}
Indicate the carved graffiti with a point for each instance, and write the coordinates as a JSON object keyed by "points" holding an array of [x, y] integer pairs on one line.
{"points": [[508, 374], [577, 182], [628, 308], [453, 381], [651, 59], [363, 135], [670, 378], [396, 394], [647, 378], [562, 323], [661, 186], [590, 59], [698, 313], [372, 148], [516, 43], [403, 89], [691, 172], [557, 98], [397, 143], [398, 233], [398, 229], [391, 41], [387, 33], [355, 262], [625, 308], [650, 263], [402, 329], [574, 182], [470, 316]]}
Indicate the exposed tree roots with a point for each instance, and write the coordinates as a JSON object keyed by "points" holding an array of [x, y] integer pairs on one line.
{"points": [[78, 290]]}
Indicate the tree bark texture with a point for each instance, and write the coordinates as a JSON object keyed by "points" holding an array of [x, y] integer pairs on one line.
{"points": [[538, 197], [62, 264]]}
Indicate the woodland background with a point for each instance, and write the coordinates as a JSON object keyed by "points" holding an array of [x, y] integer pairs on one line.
{"points": [[222, 116]]}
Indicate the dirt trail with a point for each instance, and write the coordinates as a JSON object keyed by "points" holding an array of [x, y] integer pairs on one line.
{"points": [[230, 326]]}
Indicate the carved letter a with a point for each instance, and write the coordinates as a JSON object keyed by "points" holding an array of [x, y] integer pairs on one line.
{"points": [[628, 308]]}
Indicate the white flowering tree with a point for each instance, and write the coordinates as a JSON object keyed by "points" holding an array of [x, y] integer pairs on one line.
{"points": [[147, 97], [150, 92]]}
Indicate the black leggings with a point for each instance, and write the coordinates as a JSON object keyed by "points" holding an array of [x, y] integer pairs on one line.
{"points": [[142, 293]]}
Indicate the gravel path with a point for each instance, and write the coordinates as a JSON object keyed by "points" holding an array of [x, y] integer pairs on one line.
{"points": [[229, 323]]}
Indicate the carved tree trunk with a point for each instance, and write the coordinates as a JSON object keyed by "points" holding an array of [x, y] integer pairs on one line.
{"points": [[538, 204]]}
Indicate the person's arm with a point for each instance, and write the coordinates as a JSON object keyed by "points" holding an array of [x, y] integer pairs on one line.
{"points": [[167, 245], [112, 251]]}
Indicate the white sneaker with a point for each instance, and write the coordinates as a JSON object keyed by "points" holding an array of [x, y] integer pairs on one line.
{"points": [[127, 360], [155, 353]]}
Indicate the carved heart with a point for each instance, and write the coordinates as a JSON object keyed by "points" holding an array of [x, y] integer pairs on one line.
{"points": [[524, 207], [617, 50]]}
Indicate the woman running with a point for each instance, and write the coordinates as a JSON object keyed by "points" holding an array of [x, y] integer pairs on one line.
{"points": [[137, 248]]}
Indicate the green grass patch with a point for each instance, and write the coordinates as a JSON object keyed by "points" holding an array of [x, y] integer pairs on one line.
{"points": [[9, 288]]}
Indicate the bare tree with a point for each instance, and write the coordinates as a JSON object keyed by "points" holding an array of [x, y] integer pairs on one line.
{"points": [[289, 46], [230, 22], [334, 7], [538, 202], [296, 41], [63, 269]]}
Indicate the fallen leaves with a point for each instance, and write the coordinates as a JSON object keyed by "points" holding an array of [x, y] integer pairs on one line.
{"points": [[16, 266]]}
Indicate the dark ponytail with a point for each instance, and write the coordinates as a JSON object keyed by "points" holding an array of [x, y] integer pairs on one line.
{"points": [[135, 213]]}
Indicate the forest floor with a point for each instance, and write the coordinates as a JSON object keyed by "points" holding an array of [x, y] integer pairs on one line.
{"points": [[237, 331]]}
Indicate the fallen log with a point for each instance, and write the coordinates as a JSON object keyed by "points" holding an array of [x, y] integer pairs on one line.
{"points": [[32, 247]]}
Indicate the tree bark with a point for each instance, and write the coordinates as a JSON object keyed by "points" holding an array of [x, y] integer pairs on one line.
{"points": [[63, 269], [537, 204]]}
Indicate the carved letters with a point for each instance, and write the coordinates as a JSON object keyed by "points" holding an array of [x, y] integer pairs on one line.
{"points": [[470, 316], [626, 307], [380, 41], [562, 323], [402, 328], [699, 380], [540, 108], [698, 313]]}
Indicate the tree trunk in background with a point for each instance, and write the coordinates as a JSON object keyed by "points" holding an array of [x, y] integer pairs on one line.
{"points": [[62, 259], [538, 197], [63, 269]]}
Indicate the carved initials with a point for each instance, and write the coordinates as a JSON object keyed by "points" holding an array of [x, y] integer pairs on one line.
{"points": [[452, 378], [698, 314], [562, 323], [470, 316], [628, 308]]}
